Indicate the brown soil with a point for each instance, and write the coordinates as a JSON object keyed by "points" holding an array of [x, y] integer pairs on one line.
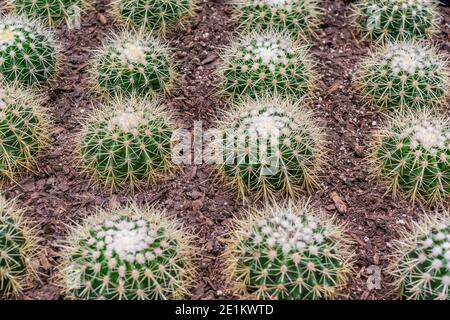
{"points": [[56, 194]]}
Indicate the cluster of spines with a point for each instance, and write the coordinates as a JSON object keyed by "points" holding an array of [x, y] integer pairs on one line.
{"points": [[126, 143], [50, 12], [18, 250], [382, 20], [299, 17], [270, 145], [23, 131], [266, 63], [28, 54], [128, 253], [421, 260], [287, 252], [133, 64], [404, 75], [411, 154], [152, 15]]}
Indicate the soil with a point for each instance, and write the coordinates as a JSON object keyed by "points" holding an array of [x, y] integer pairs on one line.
{"points": [[56, 195]]}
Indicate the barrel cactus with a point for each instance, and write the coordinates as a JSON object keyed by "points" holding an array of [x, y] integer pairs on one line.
{"points": [[51, 12], [412, 154], [381, 20], [421, 260], [299, 17], [129, 253], [154, 15], [404, 75], [127, 143], [288, 252], [266, 63], [270, 146], [23, 131], [133, 64], [18, 250], [28, 53]]}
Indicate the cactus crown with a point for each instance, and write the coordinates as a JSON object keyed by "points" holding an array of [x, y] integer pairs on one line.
{"points": [[421, 264], [412, 154], [382, 20], [404, 76], [127, 253], [28, 53], [23, 131], [154, 15], [126, 143], [287, 252], [133, 64], [51, 12], [270, 145], [18, 249], [300, 17], [266, 63]]}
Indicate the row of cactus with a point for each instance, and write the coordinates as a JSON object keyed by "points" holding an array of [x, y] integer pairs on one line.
{"points": [[289, 251]]}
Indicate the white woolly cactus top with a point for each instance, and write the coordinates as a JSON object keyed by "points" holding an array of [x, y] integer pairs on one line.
{"points": [[127, 120], [12, 31], [292, 233], [274, 2], [266, 49], [407, 57]]}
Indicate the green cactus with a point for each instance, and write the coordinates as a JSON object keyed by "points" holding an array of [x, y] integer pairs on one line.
{"points": [[154, 15], [127, 143], [266, 63], [421, 260], [18, 250], [23, 131], [133, 64], [127, 253], [403, 76], [28, 53], [412, 154], [50, 12], [381, 20], [287, 252], [270, 146], [299, 17]]}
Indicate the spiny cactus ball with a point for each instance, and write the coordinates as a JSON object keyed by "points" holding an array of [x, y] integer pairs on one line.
{"points": [[23, 131], [266, 63], [28, 54], [412, 154], [299, 17], [271, 145], [133, 64], [128, 253], [287, 252], [381, 20], [421, 264], [403, 76], [127, 143], [50, 12], [154, 15], [18, 250]]}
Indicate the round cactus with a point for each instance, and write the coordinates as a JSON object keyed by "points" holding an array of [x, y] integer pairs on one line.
{"points": [[18, 250], [421, 264], [126, 143], [382, 20], [299, 17], [266, 63], [287, 252], [154, 15], [270, 145], [50, 12], [23, 131], [404, 76], [127, 253], [28, 53], [133, 64], [412, 154]]}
